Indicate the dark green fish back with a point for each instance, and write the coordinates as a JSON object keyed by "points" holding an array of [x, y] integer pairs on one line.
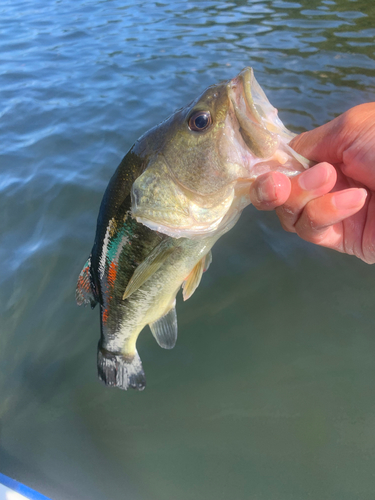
{"points": [[121, 243]]}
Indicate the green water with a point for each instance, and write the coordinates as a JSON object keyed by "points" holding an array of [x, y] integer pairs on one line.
{"points": [[269, 392]]}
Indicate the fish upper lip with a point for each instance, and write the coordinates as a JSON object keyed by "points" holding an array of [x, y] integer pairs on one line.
{"points": [[239, 87], [246, 76]]}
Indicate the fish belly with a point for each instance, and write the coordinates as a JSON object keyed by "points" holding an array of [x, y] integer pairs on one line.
{"points": [[118, 360]]}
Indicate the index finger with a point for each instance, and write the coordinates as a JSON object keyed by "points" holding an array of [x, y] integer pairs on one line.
{"points": [[270, 190]]}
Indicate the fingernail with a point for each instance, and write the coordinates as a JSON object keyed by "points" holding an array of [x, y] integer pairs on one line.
{"points": [[314, 178], [350, 198], [266, 190]]}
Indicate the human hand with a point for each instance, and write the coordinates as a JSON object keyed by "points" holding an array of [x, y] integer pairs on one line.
{"points": [[331, 204]]}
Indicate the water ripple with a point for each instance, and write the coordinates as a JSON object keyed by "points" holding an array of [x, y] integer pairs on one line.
{"points": [[80, 82]]}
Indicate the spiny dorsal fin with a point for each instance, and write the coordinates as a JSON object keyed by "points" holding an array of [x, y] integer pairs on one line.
{"points": [[164, 329], [192, 281], [149, 266], [84, 289]]}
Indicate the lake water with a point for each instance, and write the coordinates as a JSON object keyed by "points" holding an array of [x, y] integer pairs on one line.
{"points": [[270, 391]]}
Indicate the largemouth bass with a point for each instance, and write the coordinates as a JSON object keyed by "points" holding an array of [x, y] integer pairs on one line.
{"points": [[180, 187]]}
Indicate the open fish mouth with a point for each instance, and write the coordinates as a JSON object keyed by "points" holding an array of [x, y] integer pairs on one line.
{"points": [[249, 98], [261, 130]]}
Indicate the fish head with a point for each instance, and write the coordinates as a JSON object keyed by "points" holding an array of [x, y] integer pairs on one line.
{"points": [[202, 160]]}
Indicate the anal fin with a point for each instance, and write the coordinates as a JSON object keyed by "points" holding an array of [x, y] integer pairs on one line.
{"points": [[164, 329], [192, 281], [84, 289]]}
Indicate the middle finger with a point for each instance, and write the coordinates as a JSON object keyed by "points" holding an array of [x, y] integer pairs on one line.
{"points": [[313, 183]]}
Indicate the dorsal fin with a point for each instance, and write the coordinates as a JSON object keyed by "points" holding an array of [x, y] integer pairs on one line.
{"points": [[84, 290], [164, 329], [192, 281], [149, 266]]}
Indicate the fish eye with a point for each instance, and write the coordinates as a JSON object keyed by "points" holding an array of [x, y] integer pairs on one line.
{"points": [[200, 121]]}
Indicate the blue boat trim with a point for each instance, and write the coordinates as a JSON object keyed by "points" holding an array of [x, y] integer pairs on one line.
{"points": [[21, 488]]}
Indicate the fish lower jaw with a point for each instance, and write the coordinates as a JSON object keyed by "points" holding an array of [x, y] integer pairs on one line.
{"points": [[192, 231], [277, 163], [284, 160]]}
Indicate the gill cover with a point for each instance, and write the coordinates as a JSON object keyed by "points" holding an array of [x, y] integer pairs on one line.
{"points": [[164, 205]]}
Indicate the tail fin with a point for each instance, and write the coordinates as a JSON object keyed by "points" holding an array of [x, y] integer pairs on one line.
{"points": [[117, 371]]}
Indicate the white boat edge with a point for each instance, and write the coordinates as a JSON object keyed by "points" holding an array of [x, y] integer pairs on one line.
{"points": [[10, 489]]}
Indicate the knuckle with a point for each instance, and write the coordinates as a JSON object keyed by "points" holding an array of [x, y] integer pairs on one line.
{"points": [[287, 217], [285, 224], [305, 232], [288, 229], [308, 228], [349, 159], [309, 218], [286, 211], [285, 214]]}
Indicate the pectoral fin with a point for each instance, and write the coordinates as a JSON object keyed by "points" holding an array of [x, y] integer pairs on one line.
{"points": [[192, 281], [207, 261], [149, 266], [165, 329]]}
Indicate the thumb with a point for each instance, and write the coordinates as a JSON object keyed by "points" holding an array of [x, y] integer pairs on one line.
{"points": [[347, 140], [324, 143]]}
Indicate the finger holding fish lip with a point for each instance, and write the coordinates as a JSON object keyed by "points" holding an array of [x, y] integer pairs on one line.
{"points": [[306, 206], [272, 190], [312, 184], [269, 191]]}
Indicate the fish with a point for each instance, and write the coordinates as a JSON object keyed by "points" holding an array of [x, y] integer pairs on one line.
{"points": [[180, 187]]}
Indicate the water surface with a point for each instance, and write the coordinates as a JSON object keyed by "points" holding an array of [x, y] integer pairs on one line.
{"points": [[269, 393]]}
